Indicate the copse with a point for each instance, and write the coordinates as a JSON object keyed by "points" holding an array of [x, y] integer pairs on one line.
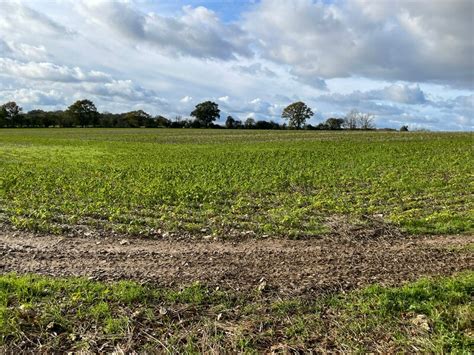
{"points": [[297, 113], [359, 120], [10, 115], [138, 119], [83, 113], [249, 123], [334, 123], [206, 113]]}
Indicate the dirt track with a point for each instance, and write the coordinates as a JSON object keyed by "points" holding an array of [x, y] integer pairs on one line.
{"points": [[286, 266]]}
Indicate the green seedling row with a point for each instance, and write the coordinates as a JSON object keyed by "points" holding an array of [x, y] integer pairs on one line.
{"points": [[232, 183]]}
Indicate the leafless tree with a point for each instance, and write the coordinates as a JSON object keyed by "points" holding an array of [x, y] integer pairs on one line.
{"points": [[351, 119], [356, 119], [366, 121]]}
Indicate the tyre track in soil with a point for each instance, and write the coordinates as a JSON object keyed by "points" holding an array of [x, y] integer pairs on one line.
{"points": [[290, 267]]}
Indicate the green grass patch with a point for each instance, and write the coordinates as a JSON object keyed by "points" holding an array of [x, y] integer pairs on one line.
{"points": [[72, 314]]}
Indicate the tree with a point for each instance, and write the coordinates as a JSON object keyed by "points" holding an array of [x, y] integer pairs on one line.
{"points": [[230, 122], [12, 114], [356, 119], [297, 113], [266, 125], [206, 113], [366, 121], [334, 123], [162, 121], [136, 118], [404, 128], [249, 123], [107, 119], [3, 117], [84, 113], [64, 119], [35, 118], [351, 119]]}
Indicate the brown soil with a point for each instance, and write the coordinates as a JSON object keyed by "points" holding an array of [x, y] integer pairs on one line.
{"points": [[296, 267]]}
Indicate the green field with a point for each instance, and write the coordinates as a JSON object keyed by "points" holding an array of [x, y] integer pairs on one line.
{"points": [[229, 182]]}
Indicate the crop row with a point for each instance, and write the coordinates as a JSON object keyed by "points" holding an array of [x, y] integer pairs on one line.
{"points": [[224, 183]]}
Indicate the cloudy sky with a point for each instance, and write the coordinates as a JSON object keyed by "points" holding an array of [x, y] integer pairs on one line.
{"points": [[406, 61]]}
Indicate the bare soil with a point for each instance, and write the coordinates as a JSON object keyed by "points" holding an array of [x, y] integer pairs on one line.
{"points": [[331, 263]]}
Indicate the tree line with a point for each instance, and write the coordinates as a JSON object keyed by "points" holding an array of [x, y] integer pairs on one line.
{"points": [[83, 113]]}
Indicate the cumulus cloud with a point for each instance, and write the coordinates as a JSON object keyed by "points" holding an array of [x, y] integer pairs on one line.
{"points": [[405, 61], [125, 90], [49, 72], [398, 93], [19, 50], [256, 108], [399, 104], [462, 107], [198, 32], [33, 97], [404, 94], [400, 40]]}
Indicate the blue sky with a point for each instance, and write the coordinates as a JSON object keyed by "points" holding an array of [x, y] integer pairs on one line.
{"points": [[227, 10], [405, 61]]}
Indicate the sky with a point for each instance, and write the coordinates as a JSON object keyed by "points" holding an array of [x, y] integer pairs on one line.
{"points": [[407, 62]]}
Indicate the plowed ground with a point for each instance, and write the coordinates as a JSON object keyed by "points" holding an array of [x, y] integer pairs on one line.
{"points": [[291, 267]]}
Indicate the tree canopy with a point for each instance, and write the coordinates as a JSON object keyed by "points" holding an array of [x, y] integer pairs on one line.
{"points": [[84, 112], [297, 113], [206, 113], [10, 114]]}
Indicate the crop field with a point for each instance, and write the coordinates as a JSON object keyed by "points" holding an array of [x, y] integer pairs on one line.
{"points": [[218, 241], [234, 183]]}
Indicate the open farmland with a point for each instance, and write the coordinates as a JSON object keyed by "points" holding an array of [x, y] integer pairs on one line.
{"points": [[231, 184], [184, 240]]}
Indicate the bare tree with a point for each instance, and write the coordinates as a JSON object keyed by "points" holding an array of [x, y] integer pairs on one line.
{"points": [[351, 120], [356, 119], [366, 121]]}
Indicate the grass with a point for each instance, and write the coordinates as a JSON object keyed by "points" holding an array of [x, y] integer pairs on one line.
{"points": [[72, 314], [228, 183]]}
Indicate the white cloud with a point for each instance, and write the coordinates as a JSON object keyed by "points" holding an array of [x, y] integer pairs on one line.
{"points": [[49, 71], [33, 97], [186, 99], [17, 19], [25, 51], [404, 60], [198, 32], [123, 90], [401, 40], [404, 94], [396, 93]]}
